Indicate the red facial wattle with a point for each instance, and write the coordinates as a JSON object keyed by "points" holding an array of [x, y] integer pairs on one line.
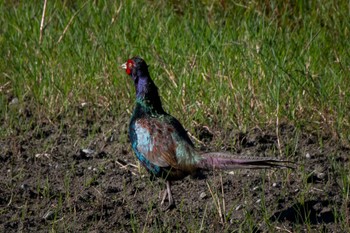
{"points": [[129, 66]]}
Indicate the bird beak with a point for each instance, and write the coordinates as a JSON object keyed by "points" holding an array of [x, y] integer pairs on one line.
{"points": [[123, 66]]}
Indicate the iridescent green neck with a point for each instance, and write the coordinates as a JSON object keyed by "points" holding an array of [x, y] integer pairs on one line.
{"points": [[147, 94]]}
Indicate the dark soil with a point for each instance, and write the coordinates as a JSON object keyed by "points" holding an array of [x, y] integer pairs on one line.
{"points": [[75, 173]]}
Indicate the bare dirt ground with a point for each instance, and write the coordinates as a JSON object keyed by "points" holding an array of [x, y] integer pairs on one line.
{"points": [[74, 173]]}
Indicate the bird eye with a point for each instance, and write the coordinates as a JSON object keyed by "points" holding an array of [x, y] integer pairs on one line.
{"points": [[130, 63]]}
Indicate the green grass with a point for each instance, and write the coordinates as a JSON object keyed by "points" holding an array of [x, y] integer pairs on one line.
{"points": [[226, 64], [233, 65]]}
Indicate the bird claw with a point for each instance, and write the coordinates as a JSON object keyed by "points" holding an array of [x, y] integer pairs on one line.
{"points": [[167, 193], [164, 196], [170, 206]]}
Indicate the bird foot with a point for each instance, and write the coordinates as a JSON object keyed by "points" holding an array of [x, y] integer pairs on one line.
{"points": [[168, 207], [171, 202], [167, 193]]}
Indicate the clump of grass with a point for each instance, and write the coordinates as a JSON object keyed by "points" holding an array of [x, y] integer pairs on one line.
{"points": [[240, 65]]}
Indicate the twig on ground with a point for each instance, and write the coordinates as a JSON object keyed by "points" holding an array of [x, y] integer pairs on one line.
{"points": [[217, 203], [125, 165], [42, 23]]}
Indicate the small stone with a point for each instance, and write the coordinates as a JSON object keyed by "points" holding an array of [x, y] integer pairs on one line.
{"points": [[255, 188], [87, 151], [308, 156], [258, 201], [202, 195], [317, 206], [321, 175], [48, 215], [84, 154], [14, 101], [326, 210]]}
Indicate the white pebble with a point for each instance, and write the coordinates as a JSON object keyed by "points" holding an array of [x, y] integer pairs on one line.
{"points": [[202, 195], [321, 175]]}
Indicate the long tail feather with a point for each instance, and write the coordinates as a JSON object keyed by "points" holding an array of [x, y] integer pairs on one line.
{"points": [[227, 161]]}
